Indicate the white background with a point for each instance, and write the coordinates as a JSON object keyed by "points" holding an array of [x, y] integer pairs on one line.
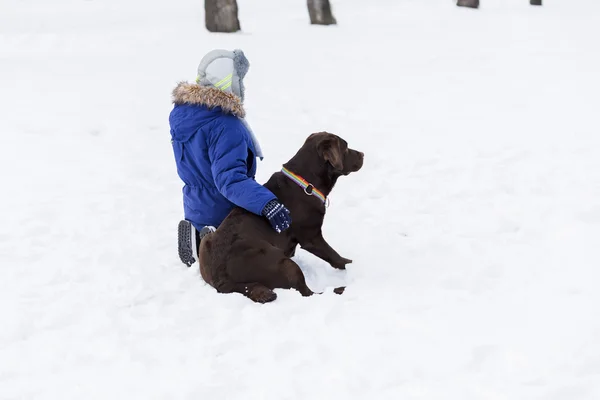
{"points": [[474, 225]]}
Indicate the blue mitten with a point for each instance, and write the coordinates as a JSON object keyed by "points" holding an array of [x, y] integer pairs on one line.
{"points": [[278, 215]]}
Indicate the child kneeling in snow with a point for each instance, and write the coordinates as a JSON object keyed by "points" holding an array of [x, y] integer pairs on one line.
{"points": [[215, 152]]}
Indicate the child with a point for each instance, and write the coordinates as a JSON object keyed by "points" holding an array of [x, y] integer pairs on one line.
{"points": [[215, 152]]}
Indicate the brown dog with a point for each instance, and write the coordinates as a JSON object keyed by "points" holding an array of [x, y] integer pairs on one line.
{"points": [[245, 255]]}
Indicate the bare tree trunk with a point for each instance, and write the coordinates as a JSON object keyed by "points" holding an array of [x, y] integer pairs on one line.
{"points": [[535, 2], [468, 3], [221, 15], [320, 12]]}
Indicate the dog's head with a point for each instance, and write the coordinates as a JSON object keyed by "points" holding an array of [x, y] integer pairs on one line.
{"points": [[334, 151]]}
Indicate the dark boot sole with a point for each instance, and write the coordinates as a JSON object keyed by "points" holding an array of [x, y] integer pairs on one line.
{"points": [[186, 239]]}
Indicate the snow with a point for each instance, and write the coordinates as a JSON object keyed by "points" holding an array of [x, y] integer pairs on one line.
{"points": [[474, 225]]}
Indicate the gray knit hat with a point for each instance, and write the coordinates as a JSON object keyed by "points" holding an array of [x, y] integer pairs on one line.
{"points": [[224, 70]]}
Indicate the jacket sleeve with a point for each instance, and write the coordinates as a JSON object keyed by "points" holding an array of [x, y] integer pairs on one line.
{"points": [[228, 152]]}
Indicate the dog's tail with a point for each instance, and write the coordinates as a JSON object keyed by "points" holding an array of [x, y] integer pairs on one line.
{"points": [[205, 259]]}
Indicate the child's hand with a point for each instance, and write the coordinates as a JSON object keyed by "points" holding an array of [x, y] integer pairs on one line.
{"points": [[278, 215]]}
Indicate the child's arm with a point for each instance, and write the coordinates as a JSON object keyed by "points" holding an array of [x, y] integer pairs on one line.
{"points": [[228, 152]]}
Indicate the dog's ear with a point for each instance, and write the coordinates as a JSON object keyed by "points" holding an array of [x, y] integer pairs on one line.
{"points": [[331, 150]]}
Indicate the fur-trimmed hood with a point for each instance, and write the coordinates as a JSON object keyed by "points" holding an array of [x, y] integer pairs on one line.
{"points": [[191, 93]]}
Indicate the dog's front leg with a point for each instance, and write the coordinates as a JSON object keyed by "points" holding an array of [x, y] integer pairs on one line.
{"points": [[320, 248]]}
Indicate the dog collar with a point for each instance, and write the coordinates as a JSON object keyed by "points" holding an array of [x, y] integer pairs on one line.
{"points": [[309, 188]]}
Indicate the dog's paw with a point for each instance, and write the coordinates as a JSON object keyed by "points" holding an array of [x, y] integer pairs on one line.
{"points": [[341, 264], [262, 294]]}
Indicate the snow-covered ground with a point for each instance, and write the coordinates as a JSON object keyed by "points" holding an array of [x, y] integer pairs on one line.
{"points": [[474, 225]]}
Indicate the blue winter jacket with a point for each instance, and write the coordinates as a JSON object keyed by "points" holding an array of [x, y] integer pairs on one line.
{"points": [[214, 154]]}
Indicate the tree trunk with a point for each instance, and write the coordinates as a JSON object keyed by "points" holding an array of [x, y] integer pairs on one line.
{"points": [[468, 3], [320, 12], [221, 15], [535, 2]]}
